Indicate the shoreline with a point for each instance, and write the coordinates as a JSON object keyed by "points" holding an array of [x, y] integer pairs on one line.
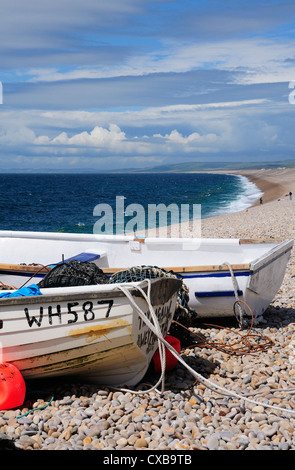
{"points": [[275, 184], [267, 182], [272, 219]]}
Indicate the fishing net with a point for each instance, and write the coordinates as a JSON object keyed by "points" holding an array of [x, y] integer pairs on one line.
{"points": [[183, 316], [74, 273], [138, 273], [81, 273]]}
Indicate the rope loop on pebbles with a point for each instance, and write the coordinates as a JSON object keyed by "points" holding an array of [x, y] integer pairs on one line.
{"points": [[155, 328]]}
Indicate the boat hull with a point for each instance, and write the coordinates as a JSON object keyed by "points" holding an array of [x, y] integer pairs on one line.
{"points": [[92, 332], [214, 292]]}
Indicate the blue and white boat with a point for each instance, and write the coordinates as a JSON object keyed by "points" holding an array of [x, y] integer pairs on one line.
{"points": [[217, 272]]}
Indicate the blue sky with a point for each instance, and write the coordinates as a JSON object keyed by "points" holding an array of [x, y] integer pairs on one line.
{"points": [[139, 83]]}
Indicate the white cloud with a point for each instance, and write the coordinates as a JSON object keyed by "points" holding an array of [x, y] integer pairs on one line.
{"points": [[114, 140], [99, 140], [98, 137], [14, 135], [147, 136], [174, 79], [160, 116], [256, 61], [191, 142]]}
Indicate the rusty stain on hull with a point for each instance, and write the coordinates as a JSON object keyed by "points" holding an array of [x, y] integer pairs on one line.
{"points": [[94, 332]]}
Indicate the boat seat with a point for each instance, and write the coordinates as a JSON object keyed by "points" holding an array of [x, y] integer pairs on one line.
{"points": [[85, 256]]}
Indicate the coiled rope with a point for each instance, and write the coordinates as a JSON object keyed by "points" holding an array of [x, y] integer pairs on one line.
{"points": [[242, 346], [155, 328]]}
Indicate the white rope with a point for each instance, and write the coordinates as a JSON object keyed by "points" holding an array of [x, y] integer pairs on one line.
{"points": [[157, 331], [156, 328], [236, 287]]}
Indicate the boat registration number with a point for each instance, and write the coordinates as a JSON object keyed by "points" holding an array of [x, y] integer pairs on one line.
{"points": [[68, 314]]}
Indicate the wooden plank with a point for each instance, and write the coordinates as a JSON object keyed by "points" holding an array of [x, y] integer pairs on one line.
{"points": [[189, 269], [178, 269], [259, 241], [23, 268]]}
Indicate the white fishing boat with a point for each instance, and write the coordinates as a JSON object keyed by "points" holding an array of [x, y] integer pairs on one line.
{"points": [[216, 271], [99, 333]]}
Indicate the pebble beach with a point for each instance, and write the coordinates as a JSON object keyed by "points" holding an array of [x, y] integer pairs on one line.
{"points": [[257, 411]]}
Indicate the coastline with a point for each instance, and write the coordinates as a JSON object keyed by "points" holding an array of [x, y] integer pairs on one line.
{"points": [[275, 184], [272, 219]]}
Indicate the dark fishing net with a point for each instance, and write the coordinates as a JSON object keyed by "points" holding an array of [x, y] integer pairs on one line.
{"points": [[74, 273], [81, 273], [138, 273], [183, 316]]}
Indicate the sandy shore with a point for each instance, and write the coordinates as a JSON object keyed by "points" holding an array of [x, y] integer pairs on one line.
{"points": [[274, 218], [273, 183]]}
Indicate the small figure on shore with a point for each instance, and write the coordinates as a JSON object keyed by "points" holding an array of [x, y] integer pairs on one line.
{"points": [[261, 202], [290, 195]]}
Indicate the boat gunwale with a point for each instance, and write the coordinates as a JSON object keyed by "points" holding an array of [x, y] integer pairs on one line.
{"points": [[95, 294], [177, 269]]}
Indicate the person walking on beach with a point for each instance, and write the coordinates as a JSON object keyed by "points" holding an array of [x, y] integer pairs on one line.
{"points": [[290, 196]]}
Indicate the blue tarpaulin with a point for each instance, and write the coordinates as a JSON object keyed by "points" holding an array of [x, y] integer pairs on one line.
{"points": [[33, 289]]}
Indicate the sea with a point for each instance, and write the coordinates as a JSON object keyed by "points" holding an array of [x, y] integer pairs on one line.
{"points": [[67, 202]]}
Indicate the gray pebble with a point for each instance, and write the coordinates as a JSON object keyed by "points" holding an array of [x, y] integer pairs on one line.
{"points": [[213, 442], [226, 436]]}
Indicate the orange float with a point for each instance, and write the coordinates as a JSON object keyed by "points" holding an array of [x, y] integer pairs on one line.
{"points": [[171, 360], [12, 387]]}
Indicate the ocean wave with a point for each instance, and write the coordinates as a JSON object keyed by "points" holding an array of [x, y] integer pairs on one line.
{"points": [[247, 196]]}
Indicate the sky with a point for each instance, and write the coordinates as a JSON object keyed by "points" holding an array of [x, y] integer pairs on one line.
{"points": [[120, 84]]}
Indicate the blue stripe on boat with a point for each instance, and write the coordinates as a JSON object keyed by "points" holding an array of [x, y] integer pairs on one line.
{"points": [[223, 293], [218, 274]]}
